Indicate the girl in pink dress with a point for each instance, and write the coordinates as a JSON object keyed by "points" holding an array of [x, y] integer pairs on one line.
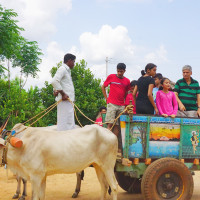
{"points": [[166, 100]]}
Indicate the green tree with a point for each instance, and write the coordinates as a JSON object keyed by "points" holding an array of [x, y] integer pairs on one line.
{"points": [[21, 105], [14, 48], [48, 99], [27, 58], [88, 93], [9, 33], [26, 104]]}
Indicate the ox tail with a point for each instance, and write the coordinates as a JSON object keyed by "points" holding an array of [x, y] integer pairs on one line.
{"points": [[82, 174]]}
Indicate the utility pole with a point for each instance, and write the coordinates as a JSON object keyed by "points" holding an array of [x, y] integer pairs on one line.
{"points": [[106, 73], [106, 67]]}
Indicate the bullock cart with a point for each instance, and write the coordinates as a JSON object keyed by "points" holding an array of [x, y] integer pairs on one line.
{"points": [[164, 152]]}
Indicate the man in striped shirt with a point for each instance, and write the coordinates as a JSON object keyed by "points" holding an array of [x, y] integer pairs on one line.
{"points": [[187, 91]]}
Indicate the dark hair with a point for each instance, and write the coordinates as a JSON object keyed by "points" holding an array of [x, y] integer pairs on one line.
{"points": [[102, 108], [133, 83], [69, 56], [148, 66], [161, 82], [159, 76], [121, 66]]}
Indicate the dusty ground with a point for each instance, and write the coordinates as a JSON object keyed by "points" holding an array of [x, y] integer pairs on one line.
{"points": [[61, 187]]}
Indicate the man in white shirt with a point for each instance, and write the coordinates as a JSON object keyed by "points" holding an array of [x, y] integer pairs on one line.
{"points": [[64, 89]]}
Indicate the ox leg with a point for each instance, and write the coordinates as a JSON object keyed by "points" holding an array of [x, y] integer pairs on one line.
{"points": [[79, 176], [103, 182], [42, 190], [38, 188], [35, 190], [24, 194], [110, 176], [18, 191]]}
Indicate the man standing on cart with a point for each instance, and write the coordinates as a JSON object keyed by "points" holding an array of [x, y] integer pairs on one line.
{"points": [[188, 94], [64, 89]]}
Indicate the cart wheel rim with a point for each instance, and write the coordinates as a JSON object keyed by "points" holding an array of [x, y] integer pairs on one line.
{"points": [[169, 185]]}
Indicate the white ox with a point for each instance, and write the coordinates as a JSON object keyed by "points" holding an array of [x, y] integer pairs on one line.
{"points": [[48, 152], [20, 179]]}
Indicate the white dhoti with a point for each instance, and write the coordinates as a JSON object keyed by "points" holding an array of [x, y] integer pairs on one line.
{"points": [[65, 116]]}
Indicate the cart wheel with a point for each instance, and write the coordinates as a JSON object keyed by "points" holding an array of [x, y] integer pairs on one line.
{"points": [[167, 178], [131, 185]]}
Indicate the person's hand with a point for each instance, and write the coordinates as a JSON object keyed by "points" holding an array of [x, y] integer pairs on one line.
{"points": [[164, 115], [65, 97], [182, 107], [173, 116], [55, 93], [156, 111]]}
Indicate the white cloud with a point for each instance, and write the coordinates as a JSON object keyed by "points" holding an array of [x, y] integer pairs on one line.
{"points": [[37, 17], [116, 44], [158, 56], [113, 43], [109, 42]]}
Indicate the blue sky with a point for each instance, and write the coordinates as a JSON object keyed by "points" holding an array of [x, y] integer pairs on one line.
{"points": [[136, 32]]}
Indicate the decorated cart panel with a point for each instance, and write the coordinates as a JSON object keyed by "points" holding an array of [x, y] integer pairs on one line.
{"points": [[157, 137]]}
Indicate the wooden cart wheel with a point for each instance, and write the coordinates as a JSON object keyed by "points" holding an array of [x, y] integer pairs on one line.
{"points": [[131, 185], [167, 179]]}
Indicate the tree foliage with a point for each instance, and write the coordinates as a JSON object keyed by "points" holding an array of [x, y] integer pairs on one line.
{"points": [[25, 54], [27, 57], [88, 93], [26, 104], [21, 52], [22, 105], [9, 33]]}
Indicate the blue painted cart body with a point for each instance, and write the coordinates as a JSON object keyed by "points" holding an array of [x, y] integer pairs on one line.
{"points": [[158, 137]]}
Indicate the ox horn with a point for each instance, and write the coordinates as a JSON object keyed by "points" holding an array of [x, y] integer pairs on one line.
{"points": [[3, 126]]}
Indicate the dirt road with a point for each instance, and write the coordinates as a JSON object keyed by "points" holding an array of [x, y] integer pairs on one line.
{"points": [[61, 187]]}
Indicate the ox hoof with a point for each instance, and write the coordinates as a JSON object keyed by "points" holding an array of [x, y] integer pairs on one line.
{"points": [[75, 195], [15, 196], [22, 198]]}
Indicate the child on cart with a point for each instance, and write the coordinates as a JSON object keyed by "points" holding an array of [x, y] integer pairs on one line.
{"points": [[166, 100]]}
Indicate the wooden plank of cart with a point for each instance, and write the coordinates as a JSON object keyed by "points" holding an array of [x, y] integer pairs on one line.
{"points": [[164, 152]]}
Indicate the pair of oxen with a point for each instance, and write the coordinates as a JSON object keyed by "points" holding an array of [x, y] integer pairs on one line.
{"points": [[46, 151]]}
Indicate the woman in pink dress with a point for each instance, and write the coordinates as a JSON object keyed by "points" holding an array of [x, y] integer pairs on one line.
{"points": [[166, 100]]}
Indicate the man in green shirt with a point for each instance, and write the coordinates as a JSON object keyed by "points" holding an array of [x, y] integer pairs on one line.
{"points": [[187, 91]]}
